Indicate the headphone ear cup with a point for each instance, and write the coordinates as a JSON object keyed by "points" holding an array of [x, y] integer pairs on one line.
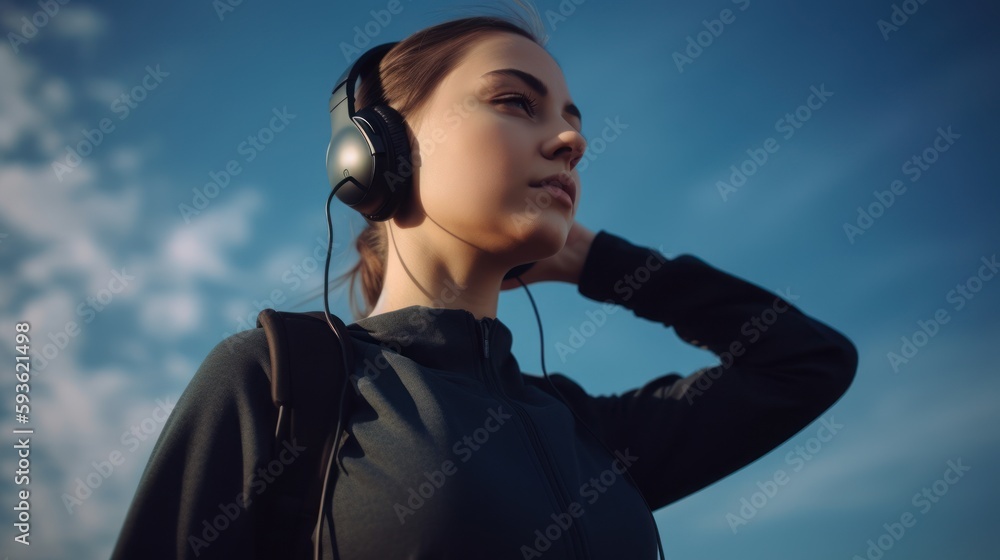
{"points": [[393, 176]]}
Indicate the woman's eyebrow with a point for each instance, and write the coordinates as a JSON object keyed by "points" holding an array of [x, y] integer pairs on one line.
{"points": [[535, 84]]}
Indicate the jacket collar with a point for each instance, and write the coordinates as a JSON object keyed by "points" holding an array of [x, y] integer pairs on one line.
{"points": [[440, 338]]}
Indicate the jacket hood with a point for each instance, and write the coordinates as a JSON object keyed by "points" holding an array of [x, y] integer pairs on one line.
{"points": [[450, 340]]}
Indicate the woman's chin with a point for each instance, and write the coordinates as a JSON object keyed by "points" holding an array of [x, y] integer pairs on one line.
{"points": [[545, 234]]}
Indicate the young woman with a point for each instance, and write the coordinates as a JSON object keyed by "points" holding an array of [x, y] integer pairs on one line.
{"points": [[451, 451]]}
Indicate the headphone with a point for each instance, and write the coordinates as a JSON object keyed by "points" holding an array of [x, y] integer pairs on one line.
{"points": [[368, 165]]}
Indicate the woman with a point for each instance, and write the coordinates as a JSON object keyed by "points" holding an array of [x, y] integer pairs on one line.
{"points": [[451, 450]]}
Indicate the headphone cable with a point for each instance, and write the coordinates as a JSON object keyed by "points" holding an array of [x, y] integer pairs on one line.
{"points": [[317, 531]]}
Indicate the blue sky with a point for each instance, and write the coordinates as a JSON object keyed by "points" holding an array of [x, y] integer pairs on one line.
{"points": [[164, 290]]}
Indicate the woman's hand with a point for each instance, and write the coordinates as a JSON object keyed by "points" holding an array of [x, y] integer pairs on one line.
{"points": [[564, 266]]}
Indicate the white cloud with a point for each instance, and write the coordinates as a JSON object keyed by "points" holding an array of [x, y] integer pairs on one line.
{"points": [[179, 367], [77, 232], [79, 22], [73, 255], [17, 111], [199, 249], [81, 426], [125, 159], [102, 90], [168, 315], [56, 96]]}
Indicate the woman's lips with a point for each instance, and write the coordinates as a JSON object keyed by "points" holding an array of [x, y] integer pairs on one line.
{"points": [[557, 193]]}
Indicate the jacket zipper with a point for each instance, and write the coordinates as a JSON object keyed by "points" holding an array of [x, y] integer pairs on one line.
{"points": [[550, 471]]}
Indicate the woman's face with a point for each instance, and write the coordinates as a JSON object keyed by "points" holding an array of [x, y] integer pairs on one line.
{"points": [[478, 145]]}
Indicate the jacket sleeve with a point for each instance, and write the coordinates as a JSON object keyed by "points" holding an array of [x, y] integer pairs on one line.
{"points": [[779, 370], [195, 498]]}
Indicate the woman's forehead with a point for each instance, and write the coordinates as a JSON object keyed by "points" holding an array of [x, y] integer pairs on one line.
{"points": [[504, 51]]}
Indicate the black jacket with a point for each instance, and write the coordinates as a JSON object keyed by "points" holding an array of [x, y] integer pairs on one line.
{"points": [[455, 453]]}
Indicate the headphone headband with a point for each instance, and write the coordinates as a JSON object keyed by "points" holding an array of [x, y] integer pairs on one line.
{"points": [[345, 83]]}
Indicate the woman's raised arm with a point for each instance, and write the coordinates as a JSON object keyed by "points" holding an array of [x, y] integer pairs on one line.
{"points": [[780, 370]]}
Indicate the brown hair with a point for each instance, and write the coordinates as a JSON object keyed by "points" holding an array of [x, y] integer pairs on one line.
{"points": [[407, 76]]}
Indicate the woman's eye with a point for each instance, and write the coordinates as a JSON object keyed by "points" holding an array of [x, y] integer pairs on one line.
{"points": [[519, 101], [523, 100]]}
